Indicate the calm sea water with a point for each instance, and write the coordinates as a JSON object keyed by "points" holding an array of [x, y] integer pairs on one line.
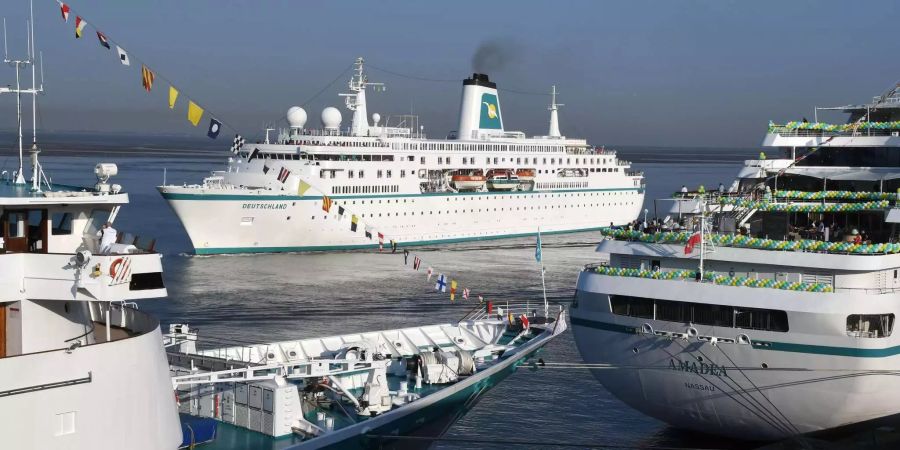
{"points": [[257, 298]]}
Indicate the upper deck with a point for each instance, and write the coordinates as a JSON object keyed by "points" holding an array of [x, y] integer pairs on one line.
{"points": [[12, 194]]}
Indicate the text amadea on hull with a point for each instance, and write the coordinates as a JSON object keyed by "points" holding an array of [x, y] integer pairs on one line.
{"points": [[482, 182], [782, 323]]}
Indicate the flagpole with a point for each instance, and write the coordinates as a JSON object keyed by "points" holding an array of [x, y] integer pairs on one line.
{"points": [[543, 282]]}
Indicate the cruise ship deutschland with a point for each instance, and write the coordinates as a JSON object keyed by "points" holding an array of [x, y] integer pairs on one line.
{"points": [[482, 182]]}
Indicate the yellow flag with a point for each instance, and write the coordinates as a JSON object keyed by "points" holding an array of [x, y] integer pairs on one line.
{"points": [[195, 112], [173, 95], [304, 186]]}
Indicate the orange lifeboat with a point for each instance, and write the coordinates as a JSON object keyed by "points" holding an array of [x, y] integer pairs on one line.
{"points": [[525, 174], [468, 181]]}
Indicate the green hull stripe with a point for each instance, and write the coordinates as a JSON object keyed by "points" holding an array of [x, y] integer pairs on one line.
{"points": [[766, 345], [327, 248], [224, 197]]}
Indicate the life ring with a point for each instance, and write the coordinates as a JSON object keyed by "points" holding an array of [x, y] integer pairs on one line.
{"points": [[112, 267]]}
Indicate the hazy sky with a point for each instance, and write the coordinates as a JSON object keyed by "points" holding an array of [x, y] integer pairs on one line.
{"points": [[681, 73]]}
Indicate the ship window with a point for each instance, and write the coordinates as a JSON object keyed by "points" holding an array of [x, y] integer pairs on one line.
{"points": [[870, 325], [448, 160], [631, 306], [388, 173], [62, 223], [440, 160], [704, 314], [402, 174], [349, 174], [361, 173]]}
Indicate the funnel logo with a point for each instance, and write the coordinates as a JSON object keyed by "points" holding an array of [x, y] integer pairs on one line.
{"points": [[490, 113]]}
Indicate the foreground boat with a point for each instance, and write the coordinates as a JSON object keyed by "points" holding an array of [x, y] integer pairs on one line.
{"points": [[359, 390], [768, 310], [417, 190], [80, 366]]}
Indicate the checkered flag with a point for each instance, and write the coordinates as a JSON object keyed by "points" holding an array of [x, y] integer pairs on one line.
{"points": [[238, 144]]}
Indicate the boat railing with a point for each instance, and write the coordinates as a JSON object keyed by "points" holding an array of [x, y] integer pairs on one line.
{"points": [[123, 317], [501, 310]]}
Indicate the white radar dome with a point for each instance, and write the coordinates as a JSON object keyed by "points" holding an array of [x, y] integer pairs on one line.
{"points": [[331, 118], [376, 118], [296, 117]]}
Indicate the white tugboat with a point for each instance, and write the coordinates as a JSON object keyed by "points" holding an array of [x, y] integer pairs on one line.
{"points": [[80, 366], [768, 311], [420, 190]]}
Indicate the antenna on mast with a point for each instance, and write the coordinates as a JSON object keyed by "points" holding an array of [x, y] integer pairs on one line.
{"points": [[5, 51], [18, 64], [356, 99]]}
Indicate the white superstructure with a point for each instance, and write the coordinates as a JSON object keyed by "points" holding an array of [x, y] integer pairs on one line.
{"points": [[392, 177], [777, 318], [80, 366]]}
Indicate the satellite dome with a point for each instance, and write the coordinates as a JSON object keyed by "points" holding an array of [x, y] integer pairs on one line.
{"points": [[331, 118], [376, 118], [296, 117]]}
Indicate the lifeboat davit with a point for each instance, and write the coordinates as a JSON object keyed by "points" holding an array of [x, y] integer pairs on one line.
{"points": [[525, 174], [468, 181], [502, 180]]}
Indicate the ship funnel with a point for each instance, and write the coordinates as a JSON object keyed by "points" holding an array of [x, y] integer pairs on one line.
{"points": [[479, 110]]}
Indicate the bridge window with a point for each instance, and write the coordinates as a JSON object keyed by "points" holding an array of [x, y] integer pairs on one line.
{"points": [[62, 223]]}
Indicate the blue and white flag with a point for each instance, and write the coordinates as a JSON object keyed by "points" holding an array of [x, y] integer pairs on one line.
{"points": [[214, 127], [441, 284], [537, 248]]}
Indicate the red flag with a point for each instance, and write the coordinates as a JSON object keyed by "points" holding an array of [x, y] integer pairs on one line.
{"points": [[64, 9], [692, 241]]}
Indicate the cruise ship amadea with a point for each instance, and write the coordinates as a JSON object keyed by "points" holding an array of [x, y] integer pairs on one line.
{"points": [[482, 182], [782, 323]]}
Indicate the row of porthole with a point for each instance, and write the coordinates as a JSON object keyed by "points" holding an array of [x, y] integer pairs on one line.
{"points": [[502, 197], [526, 208]]}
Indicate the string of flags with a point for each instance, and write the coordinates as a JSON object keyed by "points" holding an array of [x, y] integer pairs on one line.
{"points": [[443, 284], [195, 112]]}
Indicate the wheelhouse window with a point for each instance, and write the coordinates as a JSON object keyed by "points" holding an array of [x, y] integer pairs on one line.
{"points": [[870, 325], [62, 223]]}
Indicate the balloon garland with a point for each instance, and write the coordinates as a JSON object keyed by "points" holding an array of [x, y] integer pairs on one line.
{"points": [[722, 280], [743, 241]]}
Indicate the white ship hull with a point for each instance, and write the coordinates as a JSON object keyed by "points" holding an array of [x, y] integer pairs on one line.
{"points": [[241, 221], [785, 384]]}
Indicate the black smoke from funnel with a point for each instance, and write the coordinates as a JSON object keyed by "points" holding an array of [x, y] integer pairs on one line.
{"points": [[494, 55]]}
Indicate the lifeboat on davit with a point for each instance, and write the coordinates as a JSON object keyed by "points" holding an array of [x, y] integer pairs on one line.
{"points": [[502, 180], [525, 174], [468, 180]]}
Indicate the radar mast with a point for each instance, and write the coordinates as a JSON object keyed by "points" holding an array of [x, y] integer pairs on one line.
{"points": [[356, 99]]}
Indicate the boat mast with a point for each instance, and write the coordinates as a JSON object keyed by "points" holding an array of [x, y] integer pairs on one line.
{"points": [[18, 64], [35, 165], [554, 115], [356, 99]]}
